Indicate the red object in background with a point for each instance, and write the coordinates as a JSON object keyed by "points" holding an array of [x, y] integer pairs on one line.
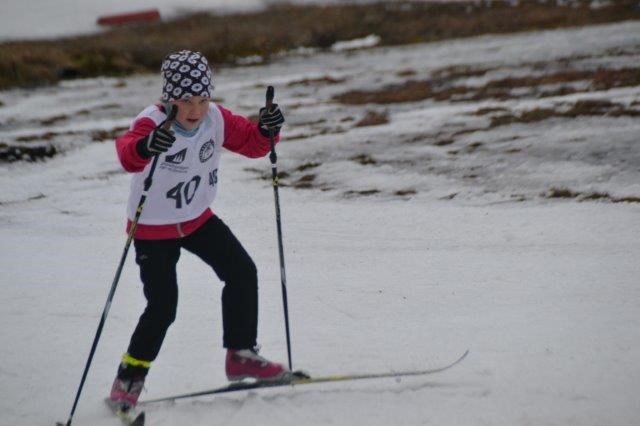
{"points": [[152, 15]]}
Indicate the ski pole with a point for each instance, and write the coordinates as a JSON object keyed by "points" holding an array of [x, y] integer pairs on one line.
{"points": [[274, 178], [147, 184]]}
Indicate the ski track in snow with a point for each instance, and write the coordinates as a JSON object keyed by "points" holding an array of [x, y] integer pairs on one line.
{"points": [[543, 292]]}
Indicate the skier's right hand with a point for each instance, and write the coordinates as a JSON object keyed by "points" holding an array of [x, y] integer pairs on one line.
{"points": [[158, 141]]}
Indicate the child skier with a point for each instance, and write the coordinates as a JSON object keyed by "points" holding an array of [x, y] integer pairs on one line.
{"points": [[177, 216]]}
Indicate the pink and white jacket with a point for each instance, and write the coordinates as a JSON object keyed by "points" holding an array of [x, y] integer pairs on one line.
{"points": [[185, 180]]}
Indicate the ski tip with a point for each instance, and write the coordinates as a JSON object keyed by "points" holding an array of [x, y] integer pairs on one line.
{"points": [[139, 420], [463, 356], [300, 374]]}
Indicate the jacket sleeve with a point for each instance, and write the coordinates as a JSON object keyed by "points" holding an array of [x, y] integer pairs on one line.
{"points": [[242, 135], [126, 145]]}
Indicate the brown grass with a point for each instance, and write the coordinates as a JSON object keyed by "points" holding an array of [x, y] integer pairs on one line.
{"points": [[406, 73], [42, 137], [474, 146], [513, 150], [449, 197], [264, 175], [39, 147], [316, 81], [405, 192], [307, 166], [608, 79], [364, 192], [529, 116], [586, 107], [364, 159], [373, 118], [455, 72], [107, 135], [554, 192], [601, 79], [489, 110], [502, 89], [601, 107], [226, 38], [52, 120], [305, 182], [410, 91], [26, 153], [444, 142]]}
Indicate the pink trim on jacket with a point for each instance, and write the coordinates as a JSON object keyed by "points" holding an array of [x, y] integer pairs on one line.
{"points": [[240, 136], [170, 231]]}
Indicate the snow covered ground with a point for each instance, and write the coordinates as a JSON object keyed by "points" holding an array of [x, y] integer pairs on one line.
{"points": [[406, 243]]}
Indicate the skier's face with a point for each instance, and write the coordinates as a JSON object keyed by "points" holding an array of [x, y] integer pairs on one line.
{"points": [[191, 111]]}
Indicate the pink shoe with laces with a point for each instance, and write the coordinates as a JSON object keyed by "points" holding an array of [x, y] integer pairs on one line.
{"points": [[126, 391], [247, 364], [129, 381]]}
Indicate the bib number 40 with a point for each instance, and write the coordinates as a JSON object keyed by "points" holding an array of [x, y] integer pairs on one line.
{"points": [[184, 192]]}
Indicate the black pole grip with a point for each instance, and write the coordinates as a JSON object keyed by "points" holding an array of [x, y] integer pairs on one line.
{"points": [[170, 117], [270, 95], [269, 103], [167, 126]]}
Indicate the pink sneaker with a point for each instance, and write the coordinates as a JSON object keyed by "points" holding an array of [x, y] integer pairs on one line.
{"points": [[246, 363], [126, 391]]}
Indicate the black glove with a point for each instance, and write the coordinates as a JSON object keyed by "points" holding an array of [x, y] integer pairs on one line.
{"points": [[272, 119], [158, 141]]}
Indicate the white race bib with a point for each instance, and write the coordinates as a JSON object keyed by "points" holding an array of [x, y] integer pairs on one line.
{"points": [[185, 181]]}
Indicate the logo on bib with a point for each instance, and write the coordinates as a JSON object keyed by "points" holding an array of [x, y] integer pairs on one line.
{"points": [[176, 158], [206, 151]]}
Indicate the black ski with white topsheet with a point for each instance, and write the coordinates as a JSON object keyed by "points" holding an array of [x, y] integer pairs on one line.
{"points": [[300, 378]]}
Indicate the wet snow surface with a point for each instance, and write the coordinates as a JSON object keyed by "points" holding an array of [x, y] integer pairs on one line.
{"points": [[407, 242]]}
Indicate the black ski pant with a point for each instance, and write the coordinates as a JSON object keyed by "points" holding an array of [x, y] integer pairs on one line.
{"points": [[216, 245]]}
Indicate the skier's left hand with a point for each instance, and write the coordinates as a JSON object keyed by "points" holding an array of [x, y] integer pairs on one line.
{"points": [[271, 119]]}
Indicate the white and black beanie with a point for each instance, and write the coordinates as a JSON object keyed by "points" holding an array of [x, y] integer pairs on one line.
{"points": [[185, 74]]}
